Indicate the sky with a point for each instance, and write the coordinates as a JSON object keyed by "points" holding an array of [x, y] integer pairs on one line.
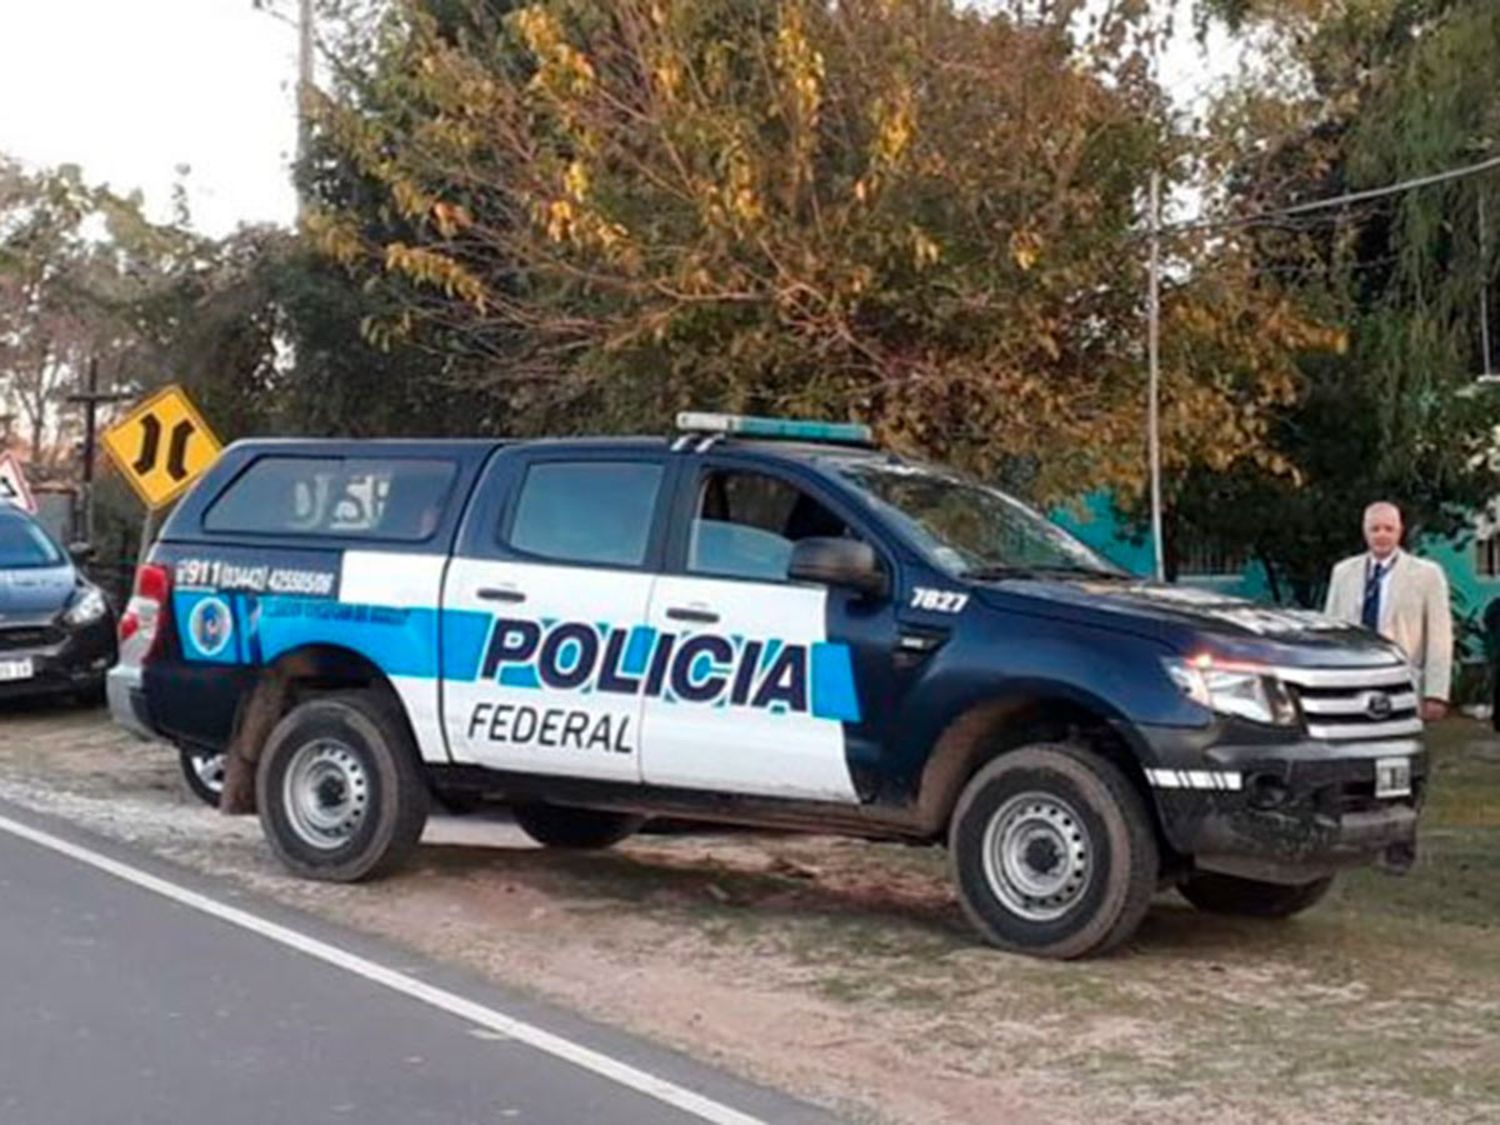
{"points": [[131, 89]]}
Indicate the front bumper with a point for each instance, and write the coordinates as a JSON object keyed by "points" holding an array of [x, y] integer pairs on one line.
{"points": [[1286, 812], [61, 660]]}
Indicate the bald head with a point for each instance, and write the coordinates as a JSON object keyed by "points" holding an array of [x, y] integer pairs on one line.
{"points": [[1382, 528]]}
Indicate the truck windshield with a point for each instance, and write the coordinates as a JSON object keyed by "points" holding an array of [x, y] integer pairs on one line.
{"points": [[24, 545], [969, 529]]}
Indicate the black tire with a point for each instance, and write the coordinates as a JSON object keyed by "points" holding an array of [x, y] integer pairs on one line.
{"points": [[339, 788], [1250, 898], [94, 695], [555, 826], [1071, 823], [203, 770]]}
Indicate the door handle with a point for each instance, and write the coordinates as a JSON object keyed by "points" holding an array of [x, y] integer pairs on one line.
{"points": [[920, 643], [914, 645], [501, 594], [699, 616]]}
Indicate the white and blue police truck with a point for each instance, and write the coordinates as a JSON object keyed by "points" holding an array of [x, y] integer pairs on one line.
{"points": [[763, 622]]}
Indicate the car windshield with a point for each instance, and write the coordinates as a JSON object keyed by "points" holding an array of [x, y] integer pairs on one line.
{"points": [[24, 545], [967, 528]]}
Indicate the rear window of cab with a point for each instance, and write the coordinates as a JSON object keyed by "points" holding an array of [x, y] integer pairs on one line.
{"points": [[398, 500]]}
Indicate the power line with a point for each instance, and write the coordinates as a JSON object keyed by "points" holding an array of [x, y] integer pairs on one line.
{"points": [[1340, 200]]}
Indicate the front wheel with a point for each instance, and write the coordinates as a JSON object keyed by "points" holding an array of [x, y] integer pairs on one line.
{"points": [[1251, 898], [340, 793], [1053, 852], [93, 695], [585, 829]]}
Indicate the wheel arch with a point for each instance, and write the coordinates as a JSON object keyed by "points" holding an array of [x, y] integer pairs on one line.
{"points": [[1034, 712], [296, 675]]}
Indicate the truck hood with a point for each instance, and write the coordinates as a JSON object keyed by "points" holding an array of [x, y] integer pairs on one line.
{"points": [[30, 595], [1191, 618]]}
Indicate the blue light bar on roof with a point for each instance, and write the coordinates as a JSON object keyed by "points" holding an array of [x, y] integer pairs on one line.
{"points": [[743, 425]]}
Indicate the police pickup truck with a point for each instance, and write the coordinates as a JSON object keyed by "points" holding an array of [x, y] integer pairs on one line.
{"points": [[763, 622]]}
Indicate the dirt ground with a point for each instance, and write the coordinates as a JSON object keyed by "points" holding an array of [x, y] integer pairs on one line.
{"points": [[844, 972]]}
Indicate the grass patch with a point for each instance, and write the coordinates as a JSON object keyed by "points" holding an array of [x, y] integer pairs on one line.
{"points": [[1457, 875]]}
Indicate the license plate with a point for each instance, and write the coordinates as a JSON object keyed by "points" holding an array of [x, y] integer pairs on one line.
{"points": [[21, 669], [1392, 777]]}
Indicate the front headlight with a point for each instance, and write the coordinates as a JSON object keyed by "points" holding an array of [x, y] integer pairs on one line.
{"points": [[1246, 690], [87, 609]]}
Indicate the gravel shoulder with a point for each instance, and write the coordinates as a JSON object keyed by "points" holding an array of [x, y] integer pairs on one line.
{"points": [[843, 971]]}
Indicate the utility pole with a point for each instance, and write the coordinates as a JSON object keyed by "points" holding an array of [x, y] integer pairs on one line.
{"points": [[1489, 374], [83, 528], [304, 91], [1153, 360]]}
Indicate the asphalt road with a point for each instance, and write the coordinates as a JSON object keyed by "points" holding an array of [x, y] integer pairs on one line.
{"points": [[120, 1005]]}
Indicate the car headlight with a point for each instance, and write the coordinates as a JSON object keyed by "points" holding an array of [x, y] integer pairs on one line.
{"points": [[87, 609], [1246, 690]]}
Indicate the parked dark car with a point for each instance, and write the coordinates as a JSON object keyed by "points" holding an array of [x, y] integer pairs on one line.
{"points": [[57, 632]]}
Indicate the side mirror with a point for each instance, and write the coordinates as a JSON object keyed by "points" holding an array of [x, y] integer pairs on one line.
{"points": [[81, 552], [838, 562]]}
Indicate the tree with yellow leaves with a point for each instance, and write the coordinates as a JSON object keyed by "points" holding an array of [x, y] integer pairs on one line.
{"points": [[909, 212]]}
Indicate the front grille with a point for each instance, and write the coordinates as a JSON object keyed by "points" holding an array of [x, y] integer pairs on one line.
{"points": [[1350, 704], [28, 636]]}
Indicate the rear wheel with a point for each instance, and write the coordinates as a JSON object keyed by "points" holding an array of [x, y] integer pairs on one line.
{"points": [[1053, 852], [584, 829], [340, 793], [1229, 894], [203, 770]]}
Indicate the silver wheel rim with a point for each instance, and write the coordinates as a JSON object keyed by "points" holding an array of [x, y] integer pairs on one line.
{"points": [[209, 770], [1036, 856], [326, 793]]}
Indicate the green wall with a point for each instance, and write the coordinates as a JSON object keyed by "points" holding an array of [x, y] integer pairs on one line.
{"points": [[1092, 520]]}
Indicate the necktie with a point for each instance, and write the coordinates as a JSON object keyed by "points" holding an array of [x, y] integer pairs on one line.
{"points": [[1369, 615]]}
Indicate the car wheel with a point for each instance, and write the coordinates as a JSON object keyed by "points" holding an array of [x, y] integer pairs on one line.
{"points": [[203, 770], [1053, 852], [584, 829], [339, 788], [91, 696], [1228, 894]]}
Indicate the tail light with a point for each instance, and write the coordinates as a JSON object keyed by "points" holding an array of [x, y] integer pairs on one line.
{"points": [[143, 622]]}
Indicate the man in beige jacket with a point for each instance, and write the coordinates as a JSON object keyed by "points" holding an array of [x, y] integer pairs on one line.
{"points": [[1403, 598]]}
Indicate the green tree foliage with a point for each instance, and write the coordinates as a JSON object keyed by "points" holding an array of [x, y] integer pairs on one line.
{"points": [[265, 334], [1372, 92], [77, 262], [916, 213]]}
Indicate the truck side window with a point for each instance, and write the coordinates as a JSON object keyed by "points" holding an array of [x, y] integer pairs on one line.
{"points": [[747, 523], [587, 511], [346, 498]]}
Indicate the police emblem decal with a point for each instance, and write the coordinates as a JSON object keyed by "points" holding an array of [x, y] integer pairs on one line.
{"points": [[211, 625]]}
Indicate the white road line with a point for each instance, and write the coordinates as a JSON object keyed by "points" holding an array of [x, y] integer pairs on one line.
{"points": [[486, 1017]]}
